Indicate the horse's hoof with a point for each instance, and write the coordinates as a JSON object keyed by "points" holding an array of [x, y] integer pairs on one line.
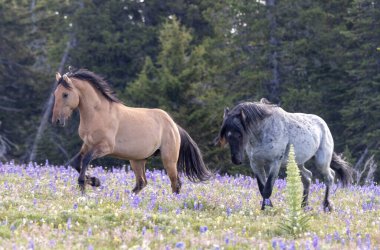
{"points": [[266, 203], [304, 204], [327, 207], [136, 189], [82, 188], [95, 182]]}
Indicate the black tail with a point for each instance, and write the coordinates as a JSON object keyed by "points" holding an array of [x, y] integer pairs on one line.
{"points": [[190, 159], [342, 168]]}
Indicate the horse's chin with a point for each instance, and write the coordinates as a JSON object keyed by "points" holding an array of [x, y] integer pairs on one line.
{"points": [[62, 123]]}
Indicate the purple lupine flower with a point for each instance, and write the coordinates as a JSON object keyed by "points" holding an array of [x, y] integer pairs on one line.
{"points": [[274, 244], [143, 230], [75, 206], [348, 231], [180, 245], [292, 246], [89, 232], [136, 201], [203, 229], [229, 211], [328, 238], [200, 206], [52, 243], [368, 241], [315, 242], [227, 240], [31, 244], [195, 205], [358, 240], [282, 245], [68, 223]]}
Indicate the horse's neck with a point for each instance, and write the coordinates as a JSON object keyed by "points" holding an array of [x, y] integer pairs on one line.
{"points": [[91, 104]]}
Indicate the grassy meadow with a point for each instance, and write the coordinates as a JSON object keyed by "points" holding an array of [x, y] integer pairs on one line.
{"points": [[41, 207]]}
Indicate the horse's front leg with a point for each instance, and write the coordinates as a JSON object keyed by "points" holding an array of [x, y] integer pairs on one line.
{"points": [[76, 164], [138, 168], [88, 156], [261, 177], [268, 188]]}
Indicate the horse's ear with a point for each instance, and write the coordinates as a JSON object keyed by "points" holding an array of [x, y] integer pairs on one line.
{"points": [[264, 100], [243, 116], [219, 141], [67, 79], [57, 76], [226, 110], [222, 142]]}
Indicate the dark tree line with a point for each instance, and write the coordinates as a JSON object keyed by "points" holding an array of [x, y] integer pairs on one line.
{"points": [[193, 58]]}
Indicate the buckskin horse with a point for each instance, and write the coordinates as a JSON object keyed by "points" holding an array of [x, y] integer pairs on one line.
{"points": [[266, 131], [107, 127]]}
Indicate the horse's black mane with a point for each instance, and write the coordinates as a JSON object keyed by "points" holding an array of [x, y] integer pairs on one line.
{"points": [[253, 113], [96, 81]]}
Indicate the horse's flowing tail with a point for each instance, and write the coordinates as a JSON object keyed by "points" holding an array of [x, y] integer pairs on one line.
{"points": [[190, 160], [342, 168]]}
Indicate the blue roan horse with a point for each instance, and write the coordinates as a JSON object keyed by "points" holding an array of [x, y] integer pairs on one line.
{"points": [[265, 131]]}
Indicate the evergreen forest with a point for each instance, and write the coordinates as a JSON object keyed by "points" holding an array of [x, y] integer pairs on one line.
{"points": [[193, 58]]}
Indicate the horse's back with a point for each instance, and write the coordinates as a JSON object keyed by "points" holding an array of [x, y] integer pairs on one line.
{"points": [[307, 132], [142, 131]]}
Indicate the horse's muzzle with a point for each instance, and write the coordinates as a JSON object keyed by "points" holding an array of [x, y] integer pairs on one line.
{"points": [[236, 161], [59, 121]]}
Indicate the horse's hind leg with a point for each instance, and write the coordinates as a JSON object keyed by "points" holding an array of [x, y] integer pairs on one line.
{"points": [[322, 162], [169, 157], [138, 168], [306, 176], [171, 170]]}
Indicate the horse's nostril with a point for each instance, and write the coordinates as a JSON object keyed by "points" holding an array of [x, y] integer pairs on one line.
{"points": [[57, 121]]}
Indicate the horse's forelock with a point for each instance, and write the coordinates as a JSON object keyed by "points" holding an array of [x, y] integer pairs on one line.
{"points": [[233, 122], [62, 82]]}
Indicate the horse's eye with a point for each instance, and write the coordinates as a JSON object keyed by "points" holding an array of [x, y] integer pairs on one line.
{"points": [[65, 95]]}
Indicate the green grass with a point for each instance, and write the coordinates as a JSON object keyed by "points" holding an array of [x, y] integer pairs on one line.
{"points": [[43, 208]]}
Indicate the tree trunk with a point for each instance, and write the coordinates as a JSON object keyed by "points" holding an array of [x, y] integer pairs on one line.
{"points": [[274, 83], [50, 102]]}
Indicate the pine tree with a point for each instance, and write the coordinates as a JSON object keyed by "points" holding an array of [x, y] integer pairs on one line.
{"points": [[362, 112]]}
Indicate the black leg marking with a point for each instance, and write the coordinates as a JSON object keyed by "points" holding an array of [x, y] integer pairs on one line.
{"points": [[75, 163], [327, 207], [82, 176], [261, 186]]}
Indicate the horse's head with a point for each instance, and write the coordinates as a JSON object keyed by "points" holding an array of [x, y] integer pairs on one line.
{"points": [[233, 132], [66, 100]]}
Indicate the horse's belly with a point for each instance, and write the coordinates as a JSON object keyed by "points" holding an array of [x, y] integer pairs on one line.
{"points": [[135, 149]]}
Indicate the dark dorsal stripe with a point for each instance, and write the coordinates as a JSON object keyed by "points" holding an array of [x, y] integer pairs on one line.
{"points": [[95, 80]]}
